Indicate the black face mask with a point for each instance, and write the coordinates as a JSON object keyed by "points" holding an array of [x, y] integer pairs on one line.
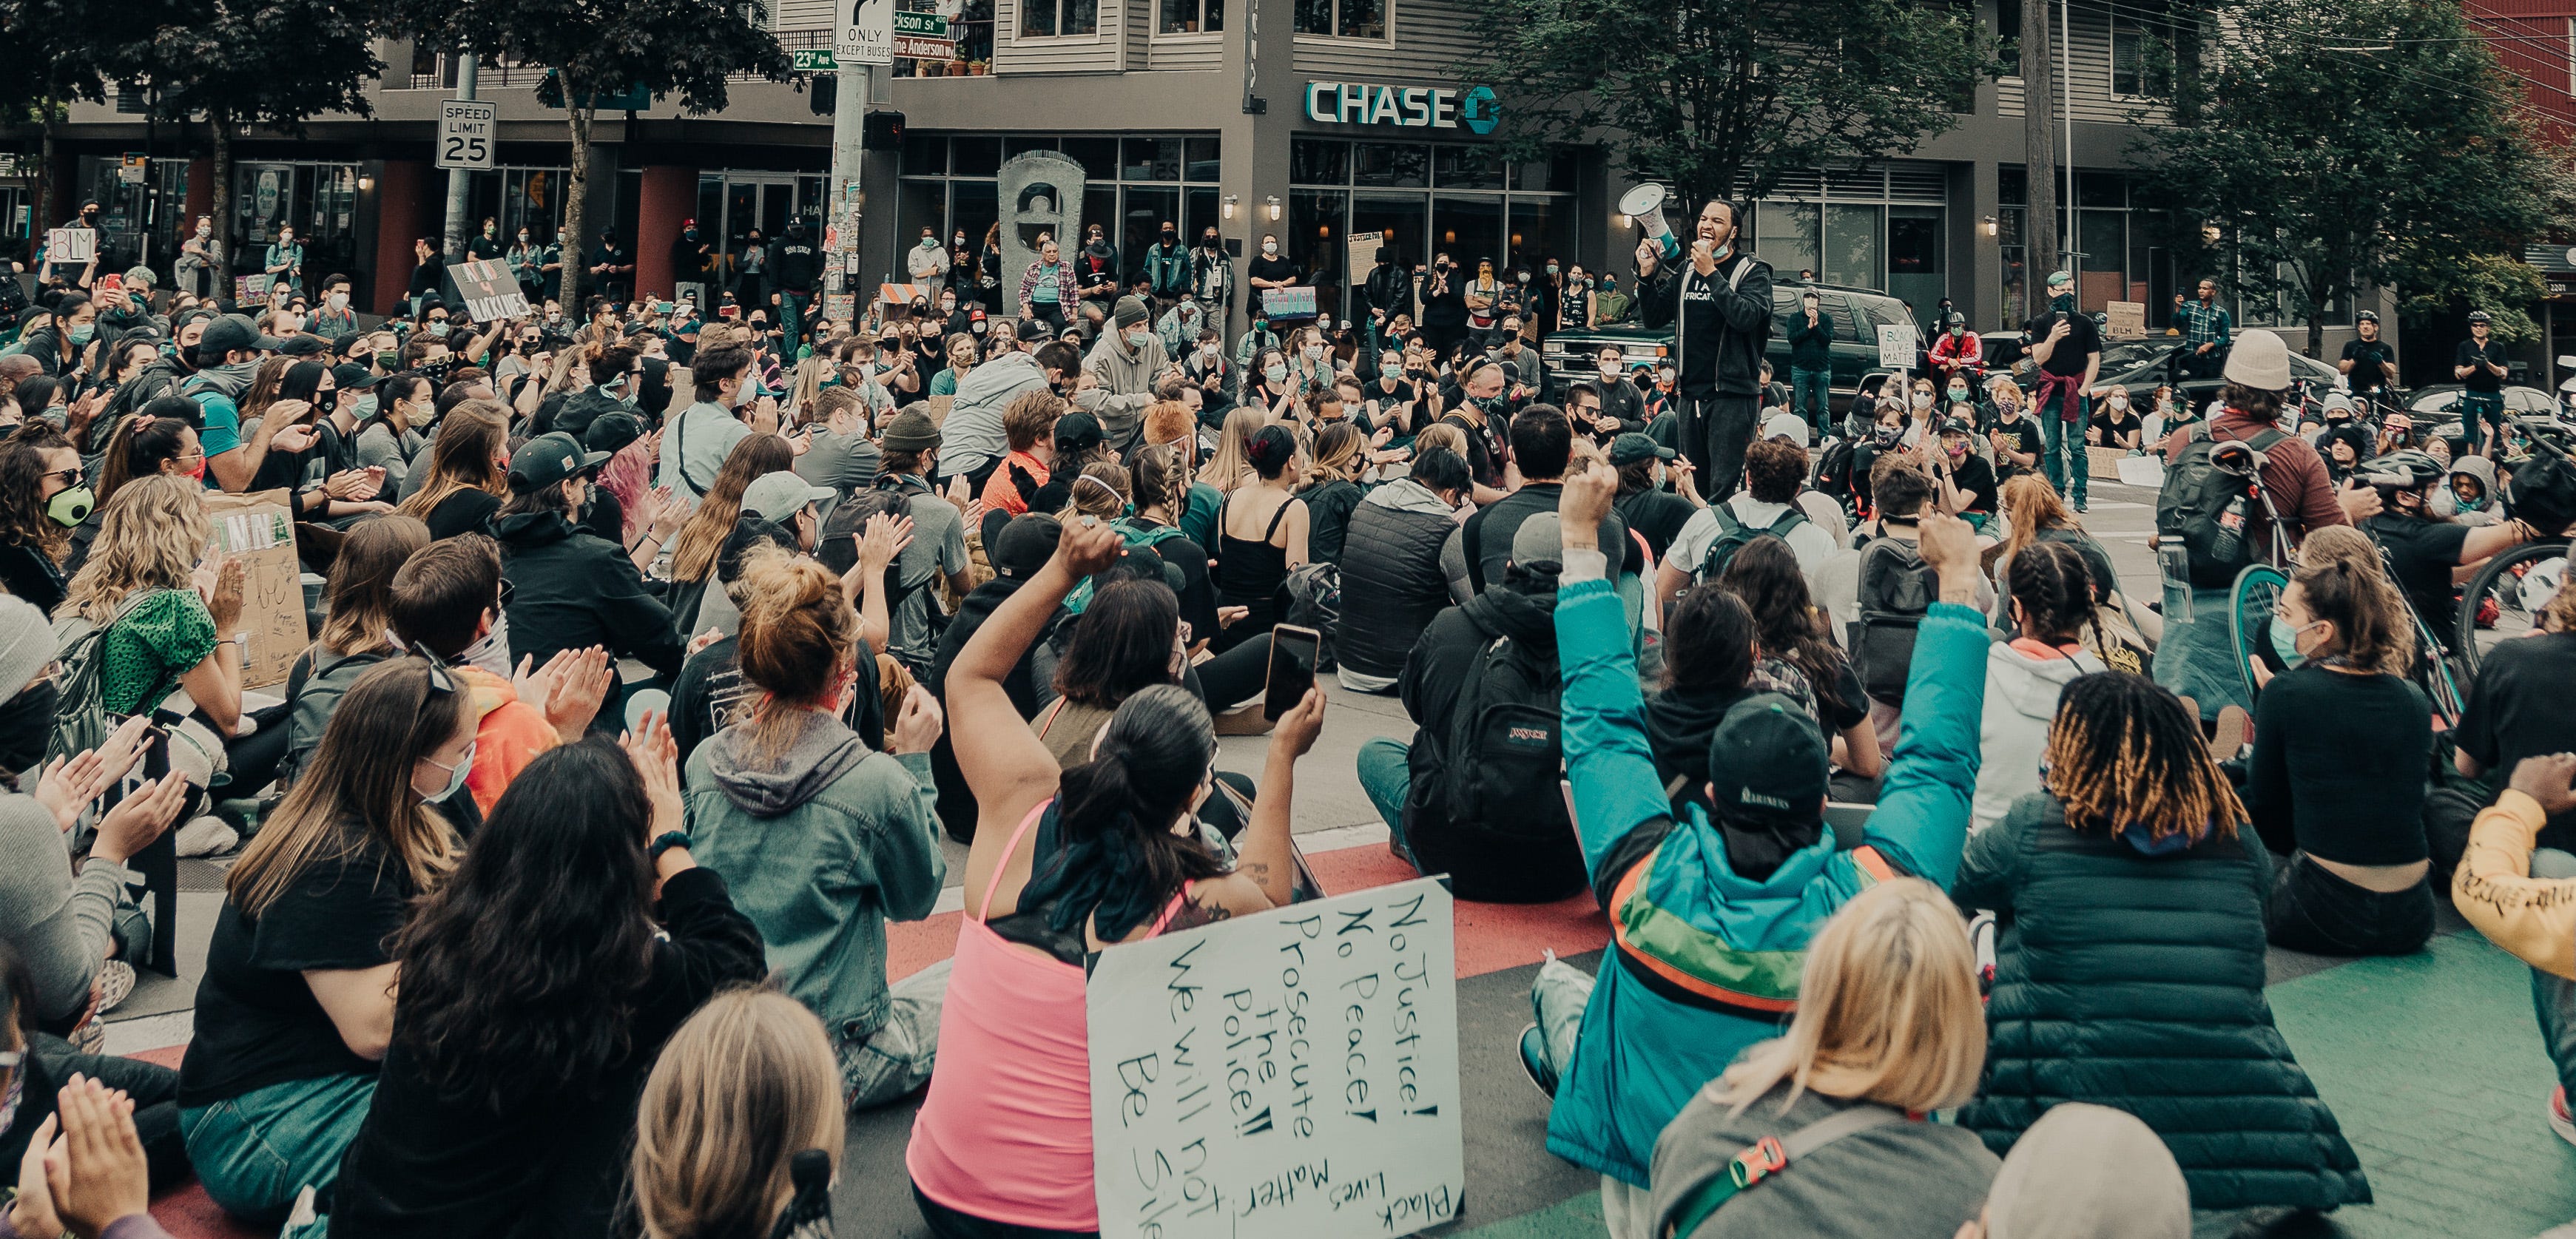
{"points": [[25, 721]]}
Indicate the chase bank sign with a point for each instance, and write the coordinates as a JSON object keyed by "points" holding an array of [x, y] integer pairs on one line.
{"points": [[1410, 107]]}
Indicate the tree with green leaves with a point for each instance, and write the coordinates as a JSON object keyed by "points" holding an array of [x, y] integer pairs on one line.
{"points": [[60, 52], [244, 63], [2333, 146], [1719, 97], [602, 48]]}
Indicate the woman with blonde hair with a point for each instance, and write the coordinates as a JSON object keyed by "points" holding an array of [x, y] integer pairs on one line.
{"points": [[468, 475], [741, 1122], [1230, 467], [2130, 968], [1888, 1030], [2341, 743], [1331, 489], [693, 551], [791, 793], [297, 1005], [141, 584], [2033, 512]]}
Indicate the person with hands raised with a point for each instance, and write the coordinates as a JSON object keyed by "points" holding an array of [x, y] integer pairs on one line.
{"points": [[86, 1171], [1732, 885], [504, 1109], [1065, 862], [824, 839], [65, 927]]}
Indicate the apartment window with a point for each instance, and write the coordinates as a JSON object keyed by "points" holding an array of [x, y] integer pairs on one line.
{"points": [[1192, 16], [1346, 19], [2008, 35], [1041, 19], [2128, 56]]}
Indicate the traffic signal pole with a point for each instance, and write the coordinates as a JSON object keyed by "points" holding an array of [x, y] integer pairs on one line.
{"points": [[846, 198]]}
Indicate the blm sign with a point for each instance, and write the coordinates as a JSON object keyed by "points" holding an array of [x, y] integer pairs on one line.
{"points": [[488, 289]]}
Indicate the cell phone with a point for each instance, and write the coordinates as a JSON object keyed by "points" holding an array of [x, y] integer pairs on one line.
{"points": [[111, 283], [1293, 651]]}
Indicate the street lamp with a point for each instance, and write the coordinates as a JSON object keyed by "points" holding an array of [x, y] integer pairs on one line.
{"points": [[1273, 200], [1989, 225], [1229, 206]]}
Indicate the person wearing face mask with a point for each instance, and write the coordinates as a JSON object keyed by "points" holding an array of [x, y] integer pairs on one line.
{"points": [[285, 261], [61, 348], [1125, 364], [1445, 314], [2116, 423], [43, 496], [297, 1004], [1180, 326], [927, 263], [527, 260], [1963, 481], [1957, 352], [2068, 348], [2336, 787], [194, 271], [335, 320], [571, 589], [1096, 273], [1269, 269], [1717, 300], [1167, 266], [692, 252], [1388, 292], [2467, 495], [1212, 273], [2015, 434], [972, 441]]}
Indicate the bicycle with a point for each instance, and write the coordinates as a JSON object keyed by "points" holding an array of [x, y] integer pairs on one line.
{"points": [[2503, 601]]}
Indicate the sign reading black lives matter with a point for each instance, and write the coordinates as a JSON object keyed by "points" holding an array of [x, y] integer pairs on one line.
{"points": [[489, 290], [1290, 1075]]}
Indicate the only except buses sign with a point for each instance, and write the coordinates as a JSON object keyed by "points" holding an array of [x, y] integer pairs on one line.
{"points": [[1412, 107]]}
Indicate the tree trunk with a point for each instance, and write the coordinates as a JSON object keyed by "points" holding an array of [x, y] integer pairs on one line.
{"points": [[578, 114], [220, 261], [2039, 135], [40, 216]]}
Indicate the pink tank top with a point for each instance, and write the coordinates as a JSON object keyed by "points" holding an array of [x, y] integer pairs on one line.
{"points": [[1005, 1133]]}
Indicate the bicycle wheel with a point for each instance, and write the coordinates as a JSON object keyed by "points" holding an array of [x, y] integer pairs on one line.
{"points": [[2504, 599], [2249, 620], [2434, 674]]}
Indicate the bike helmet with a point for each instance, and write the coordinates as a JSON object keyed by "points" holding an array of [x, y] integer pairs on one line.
{"points": [[1954, 321], [2478, 316], [2366, 316], [2405, 470]]}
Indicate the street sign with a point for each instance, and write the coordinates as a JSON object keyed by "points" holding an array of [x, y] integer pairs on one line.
{"points": [[467, 134], [130, 168], [866, 33], [812, 60], [923, 36]]}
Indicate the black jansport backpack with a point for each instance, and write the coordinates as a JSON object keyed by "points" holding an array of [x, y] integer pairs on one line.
{"points": [[1504, 749], [1896, 591], [2209, 509]]}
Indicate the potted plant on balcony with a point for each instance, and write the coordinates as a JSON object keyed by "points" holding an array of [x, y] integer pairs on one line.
{"points": [[977, 68], [957, 68]]}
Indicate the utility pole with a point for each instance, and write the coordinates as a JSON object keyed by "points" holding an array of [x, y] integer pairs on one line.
{"points": [[458, 181], [844, 197], [2039, 219]]}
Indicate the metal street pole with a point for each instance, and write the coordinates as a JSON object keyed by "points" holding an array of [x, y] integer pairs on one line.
{"points": [[2066, 82], [457, 178], [844, 198]]}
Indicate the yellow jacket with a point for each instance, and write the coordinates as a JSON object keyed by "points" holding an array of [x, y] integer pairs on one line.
{"points": [[2535, 918]]}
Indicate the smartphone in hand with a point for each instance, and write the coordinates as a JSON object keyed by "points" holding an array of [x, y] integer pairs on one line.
{"points": [[1293, 654]]}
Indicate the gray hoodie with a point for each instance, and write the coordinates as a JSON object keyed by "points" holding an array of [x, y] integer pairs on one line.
{"points": [[2021, 697], [2447, 504], [1126, 386], [972, 433], [766, 788]]}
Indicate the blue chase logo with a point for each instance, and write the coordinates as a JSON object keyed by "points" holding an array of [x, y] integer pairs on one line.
{"points": [[1478, 110]]}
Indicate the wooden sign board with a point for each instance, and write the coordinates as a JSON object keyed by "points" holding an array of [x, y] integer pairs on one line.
{"points": [[2124, 320]]}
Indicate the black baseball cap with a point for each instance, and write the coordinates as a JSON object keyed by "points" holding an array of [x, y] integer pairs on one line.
{"points": [[1077, 431], [351, 376], [1033, 330], [611, 432], [548, 459], [304, 346], [1767, 763], [232, 332], [1632, 447]]}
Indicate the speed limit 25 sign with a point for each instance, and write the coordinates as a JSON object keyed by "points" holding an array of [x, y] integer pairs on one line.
{"points": [[467, 132]]}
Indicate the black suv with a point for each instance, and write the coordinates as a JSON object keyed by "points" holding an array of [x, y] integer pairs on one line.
{"points": [[1856, 315]]}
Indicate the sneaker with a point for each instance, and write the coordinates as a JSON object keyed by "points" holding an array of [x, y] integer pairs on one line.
{"points": [[2560, 1120], [115, 984], [1543, 1077], [206, 836]]}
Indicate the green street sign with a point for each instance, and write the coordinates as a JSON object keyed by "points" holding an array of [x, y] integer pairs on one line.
{"points": [[921, 25], [813, 60]]}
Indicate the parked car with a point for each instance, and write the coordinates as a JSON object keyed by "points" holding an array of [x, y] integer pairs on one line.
{"points": [[1856, 313], [2436, 409], [2144, 365]]}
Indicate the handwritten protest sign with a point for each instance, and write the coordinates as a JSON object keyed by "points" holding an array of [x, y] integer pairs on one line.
{"points": [[2124, 320], [251, 288], [259, 530], [1291, 1075], [1282, 303], [1363, 252], [489, 290], [71, 245], [1896, 346]]}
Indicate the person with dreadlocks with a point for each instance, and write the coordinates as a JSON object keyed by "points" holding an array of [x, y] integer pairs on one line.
{"points": [[2052, 608], [1734, 891], [2130, 969], [2341, 743]]}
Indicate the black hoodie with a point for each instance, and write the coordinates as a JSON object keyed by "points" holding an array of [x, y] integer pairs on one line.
{"points": [[956, 802], [571, 589]]}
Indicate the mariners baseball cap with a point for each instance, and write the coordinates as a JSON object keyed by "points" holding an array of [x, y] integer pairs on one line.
{"points": [[777, 496], [1632, 447], [1767, 763], [548, 459], [1033, 330]]}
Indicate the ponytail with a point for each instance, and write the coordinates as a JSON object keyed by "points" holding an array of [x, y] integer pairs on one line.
{"points": [[1119, 862]]}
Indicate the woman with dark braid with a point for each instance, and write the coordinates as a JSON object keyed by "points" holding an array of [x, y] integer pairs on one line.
{"points": [[2341, 743], [2052, 607], [1789, 636], [2129, 972]]}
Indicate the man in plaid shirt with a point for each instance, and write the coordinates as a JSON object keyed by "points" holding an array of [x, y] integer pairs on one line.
{"points": [[2204, 326]]}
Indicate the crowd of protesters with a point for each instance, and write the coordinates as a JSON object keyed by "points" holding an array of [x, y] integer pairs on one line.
{"points": [[657, 644]]}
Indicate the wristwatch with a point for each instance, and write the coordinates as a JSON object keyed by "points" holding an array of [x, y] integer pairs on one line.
{"points": [[665, 842]]}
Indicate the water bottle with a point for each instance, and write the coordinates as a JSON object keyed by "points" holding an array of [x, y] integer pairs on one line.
{"points": [[2231, 531]]}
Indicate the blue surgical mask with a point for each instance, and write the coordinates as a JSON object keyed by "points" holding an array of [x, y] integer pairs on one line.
{"points": [[2285, 641], [83, 333], [1275, 372], [1139, 339], [455, 775], [366, 406]]}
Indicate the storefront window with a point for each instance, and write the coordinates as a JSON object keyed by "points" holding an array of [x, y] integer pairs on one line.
{"points": [[1347, 19], [1787, 235], [1852, 245], [1151, 159], [1319, 161], [1133, 186], [1392, 165], [1399, 216], [1520, 227], [1146, 211], [2013, 269], [1542, 229], [1313, 241], [1915, 272], [1466, 167], [317, 199], [974, 157], [1469, 228]]}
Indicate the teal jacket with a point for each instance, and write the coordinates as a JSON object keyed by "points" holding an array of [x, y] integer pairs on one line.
{"points": [[1704, 962], [842, 854]]}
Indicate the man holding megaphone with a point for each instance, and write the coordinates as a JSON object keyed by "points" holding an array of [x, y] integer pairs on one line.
{"points": [[1718, 302]]}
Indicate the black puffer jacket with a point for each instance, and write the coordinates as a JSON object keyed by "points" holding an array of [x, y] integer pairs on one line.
{"points": [[1392, 583], [2132, 977], [571, 589]]}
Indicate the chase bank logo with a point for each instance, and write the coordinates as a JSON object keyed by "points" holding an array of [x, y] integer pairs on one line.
{"points": [[1478, 110]]}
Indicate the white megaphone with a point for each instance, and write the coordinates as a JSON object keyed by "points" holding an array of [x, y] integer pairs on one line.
{"points": [[1645, 204]]}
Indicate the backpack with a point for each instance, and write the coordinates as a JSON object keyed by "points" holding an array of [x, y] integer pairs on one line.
{"points": [[81, 721], [1896, 590], [1504, 748], [1833, 476], [1131, 537], [2207, 510], [1734, 535]]}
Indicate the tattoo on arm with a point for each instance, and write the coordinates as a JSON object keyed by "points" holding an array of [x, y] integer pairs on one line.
{"points": [[1195, 914]]}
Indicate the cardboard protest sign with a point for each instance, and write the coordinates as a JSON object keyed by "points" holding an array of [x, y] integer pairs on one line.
{"points": [[1896, 346], [251, 288], [489, 291], [2124, 320], [1297, 302], [259, 530], [1290, 1075], [1363, 252]]}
